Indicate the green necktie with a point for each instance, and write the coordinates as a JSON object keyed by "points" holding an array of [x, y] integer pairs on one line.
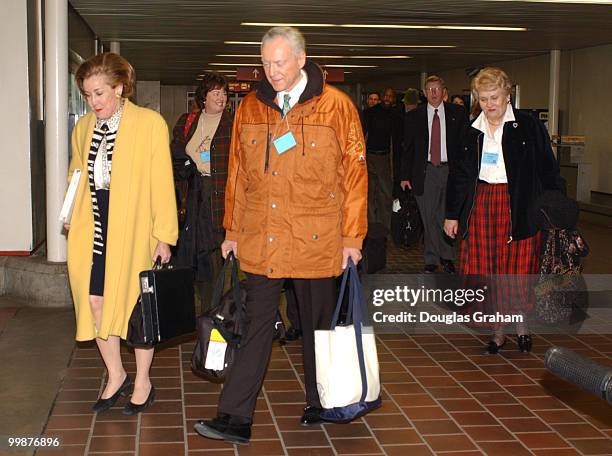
{"points": [[286, 106]]}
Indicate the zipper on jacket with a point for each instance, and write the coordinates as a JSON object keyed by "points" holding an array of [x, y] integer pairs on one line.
{"points": [[267, 160], [303, 141], [467, 222], [509, 205]]}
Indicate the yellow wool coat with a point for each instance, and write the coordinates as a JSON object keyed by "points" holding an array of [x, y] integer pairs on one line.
{"points": [[142, 211]]}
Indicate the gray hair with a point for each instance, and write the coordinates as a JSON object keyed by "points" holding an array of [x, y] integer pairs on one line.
{"points": [[293, 36]]}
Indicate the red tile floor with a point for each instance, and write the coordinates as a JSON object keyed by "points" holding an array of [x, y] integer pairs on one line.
{"points": [[441, 396]]}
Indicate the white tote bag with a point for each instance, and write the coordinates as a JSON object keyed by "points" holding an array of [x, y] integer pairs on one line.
{"points": [[346, 360]]}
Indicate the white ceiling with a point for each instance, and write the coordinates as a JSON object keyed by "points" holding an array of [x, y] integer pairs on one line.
{"points": [[173, 41]]}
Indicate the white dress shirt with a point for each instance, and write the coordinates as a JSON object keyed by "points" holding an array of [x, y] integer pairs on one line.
{"points": [[294, 93], [493, 173], [430, 116]]}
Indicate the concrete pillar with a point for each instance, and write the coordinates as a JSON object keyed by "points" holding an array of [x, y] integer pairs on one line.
{"points": [[40, 114], [115, 46], [553, 92], [423, 78], [56, 125]]}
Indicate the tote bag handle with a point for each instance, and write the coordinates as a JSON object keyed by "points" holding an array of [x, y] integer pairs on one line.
{"points": [[358, 313]]}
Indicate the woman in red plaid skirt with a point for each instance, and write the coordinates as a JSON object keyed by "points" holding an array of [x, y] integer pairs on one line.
{"points": [[505, 163]]}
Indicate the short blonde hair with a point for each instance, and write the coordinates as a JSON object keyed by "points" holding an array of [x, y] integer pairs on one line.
{"points": [[491, 78], [115, 68]]}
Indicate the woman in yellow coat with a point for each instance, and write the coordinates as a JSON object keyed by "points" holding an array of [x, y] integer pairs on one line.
{"points": [[124, 217]]}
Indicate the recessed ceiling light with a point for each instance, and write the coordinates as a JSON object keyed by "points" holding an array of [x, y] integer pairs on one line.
{"points": [[594, 2], [236, 64], [441, 27], [416, 46], [284, 24], [381, 45], [350, 66], [394, 26], [243, 42], [257, 56]]}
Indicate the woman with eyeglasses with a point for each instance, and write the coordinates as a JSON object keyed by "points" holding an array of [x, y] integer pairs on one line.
{"points": [[200, 151]]}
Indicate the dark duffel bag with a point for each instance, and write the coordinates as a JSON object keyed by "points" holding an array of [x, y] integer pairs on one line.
{"points": [[221, 328], [375, 249], [406, 224], [165, 309]]}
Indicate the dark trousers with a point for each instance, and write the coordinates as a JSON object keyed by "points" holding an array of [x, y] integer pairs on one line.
{"points": [[432, 206], [316, 299], [380, 185]]}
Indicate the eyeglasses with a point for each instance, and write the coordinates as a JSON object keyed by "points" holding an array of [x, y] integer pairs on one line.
{"points": [[433, 89]]}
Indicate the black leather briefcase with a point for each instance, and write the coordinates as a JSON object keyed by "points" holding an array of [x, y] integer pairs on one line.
{"points": [[165, 309]]}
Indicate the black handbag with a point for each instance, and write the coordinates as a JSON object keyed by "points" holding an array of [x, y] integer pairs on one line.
{"points": [[406, 224], [223, 327], [165, 308]]}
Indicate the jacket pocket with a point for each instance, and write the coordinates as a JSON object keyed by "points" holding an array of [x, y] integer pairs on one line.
{"points": [[316, 170], [253, 143], [251, 238], [317, 241]]}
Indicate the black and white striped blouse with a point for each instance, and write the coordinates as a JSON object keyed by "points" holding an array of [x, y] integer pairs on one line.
{"points": [[99, 165]]}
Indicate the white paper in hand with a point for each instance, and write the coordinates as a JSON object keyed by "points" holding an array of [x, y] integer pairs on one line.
{"points": [[66, 212]]}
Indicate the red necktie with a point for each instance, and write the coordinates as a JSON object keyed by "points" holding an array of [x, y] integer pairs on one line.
{"points": [[434, 151]]}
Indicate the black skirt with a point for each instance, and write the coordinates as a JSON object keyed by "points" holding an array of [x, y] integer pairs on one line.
{"points": [[96, 280]]}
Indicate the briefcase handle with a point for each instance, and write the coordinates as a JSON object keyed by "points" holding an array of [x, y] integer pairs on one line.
{"points": [[158, 266]]}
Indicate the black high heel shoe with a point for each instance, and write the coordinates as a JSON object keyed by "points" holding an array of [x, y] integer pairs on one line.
{"points": [[133, 409], [493, 348], [524, 343], [125, 389]]}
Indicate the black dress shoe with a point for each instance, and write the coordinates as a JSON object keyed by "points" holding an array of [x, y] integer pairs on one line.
{"points": [[493, 348], [524, 343], [430, 268], [225, 427], [293, 334], [125, 389], [448, 266], [133, 409], [312, 415]]}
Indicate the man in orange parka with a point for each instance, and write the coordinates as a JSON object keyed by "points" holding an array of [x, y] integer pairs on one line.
{"points": [[295, 207]]}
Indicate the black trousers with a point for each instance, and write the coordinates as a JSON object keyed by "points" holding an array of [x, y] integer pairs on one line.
{"points": [[316, 300]]}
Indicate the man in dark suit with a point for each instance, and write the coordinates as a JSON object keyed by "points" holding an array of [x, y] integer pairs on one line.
{"points": [[382, 128], [431, 139]]}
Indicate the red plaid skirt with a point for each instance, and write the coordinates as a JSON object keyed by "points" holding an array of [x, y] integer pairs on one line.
{"points": [[507, 269]]}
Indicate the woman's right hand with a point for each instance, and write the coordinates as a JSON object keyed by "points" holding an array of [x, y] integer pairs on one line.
{"points": [[229, 246], [67, 226], [451, 227]]}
